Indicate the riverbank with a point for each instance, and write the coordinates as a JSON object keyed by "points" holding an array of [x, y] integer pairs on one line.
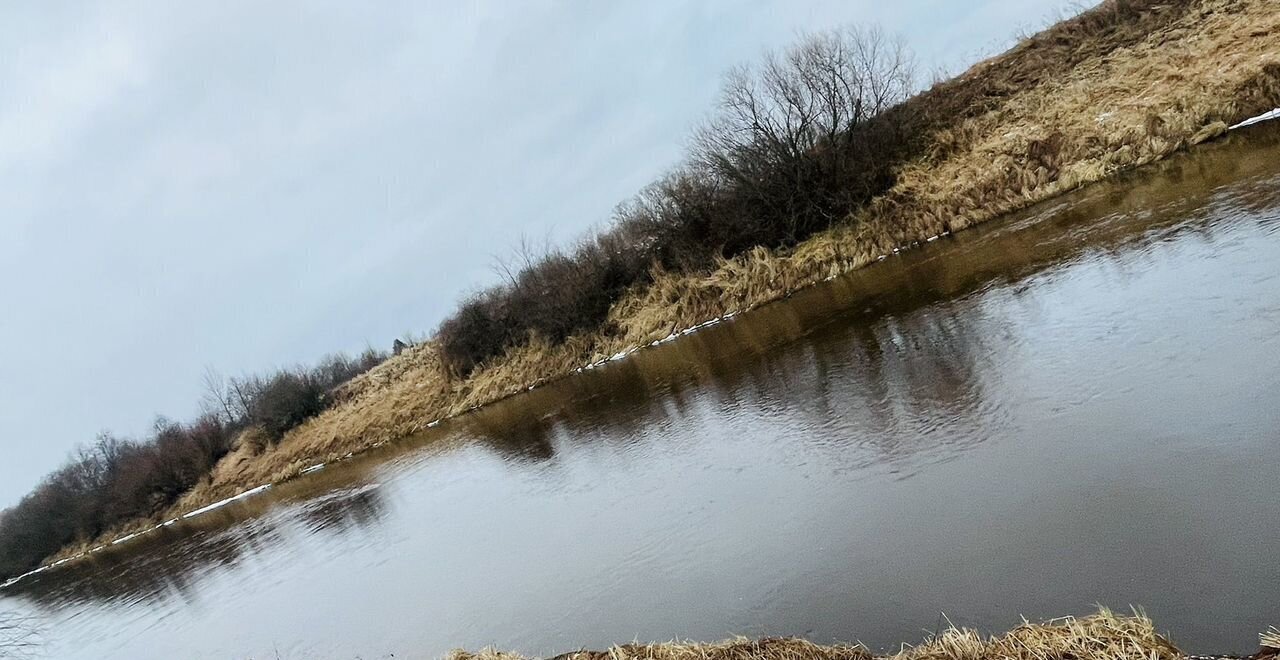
{"points": [[1077, 103], [1102, 636]]}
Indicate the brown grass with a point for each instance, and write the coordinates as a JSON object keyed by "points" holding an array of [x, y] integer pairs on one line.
{"points": [[1121, 86], [1102, 636]]}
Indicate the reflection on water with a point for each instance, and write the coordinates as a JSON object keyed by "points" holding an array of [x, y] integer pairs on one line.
{"points": [[173, 562], [1074, 406]]}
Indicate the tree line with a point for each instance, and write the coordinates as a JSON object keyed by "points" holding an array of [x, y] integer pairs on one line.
{"points": [[114, 480]]}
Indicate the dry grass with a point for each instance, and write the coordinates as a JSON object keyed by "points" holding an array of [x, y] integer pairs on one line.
{"points": [[1271, 638], [1127, 108], [1092, 96], [1103, 636], [773, 648]]}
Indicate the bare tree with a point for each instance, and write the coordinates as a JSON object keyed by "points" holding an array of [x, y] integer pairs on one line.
{"points": [[216, 399], [241, 393], [797, 143], [787, 132], [523, 256]]}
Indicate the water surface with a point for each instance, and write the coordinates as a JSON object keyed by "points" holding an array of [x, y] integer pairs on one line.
{"points": [[1078, 405]]}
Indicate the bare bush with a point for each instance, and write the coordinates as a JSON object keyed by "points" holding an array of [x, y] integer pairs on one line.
{"points": [[789, 142], [280, 401], [115, 480], [795, 145]]}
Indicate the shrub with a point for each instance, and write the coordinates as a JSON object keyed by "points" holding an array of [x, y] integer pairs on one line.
{"points": [[796, 144], [115, 480]]}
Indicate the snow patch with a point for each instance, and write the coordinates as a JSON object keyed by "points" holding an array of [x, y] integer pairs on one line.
{"points": [[124, 539], [1266, 116], [221, 503]]}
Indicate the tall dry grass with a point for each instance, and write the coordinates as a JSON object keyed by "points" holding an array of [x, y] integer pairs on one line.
{"points": [[1129, 107], [1123, 85], [1102, 636]]}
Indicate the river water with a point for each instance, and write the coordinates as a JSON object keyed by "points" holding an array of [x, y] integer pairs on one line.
{"points": [[1076, 406]]}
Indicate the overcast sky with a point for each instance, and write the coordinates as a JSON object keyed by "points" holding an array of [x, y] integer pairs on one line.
{"points": [[245, 185]]}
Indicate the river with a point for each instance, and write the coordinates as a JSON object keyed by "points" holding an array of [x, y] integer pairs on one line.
{"points": [[1076, 405]]}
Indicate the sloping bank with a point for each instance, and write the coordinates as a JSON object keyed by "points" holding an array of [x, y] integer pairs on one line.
{"points": [[1103, 636], [1077, 103]]}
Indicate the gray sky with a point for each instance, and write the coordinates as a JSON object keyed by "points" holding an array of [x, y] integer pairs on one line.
{"points": [[245, 185]]}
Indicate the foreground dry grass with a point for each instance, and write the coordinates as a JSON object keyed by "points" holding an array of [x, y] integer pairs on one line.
{"points": [[1103, 636], [1087, 98]]}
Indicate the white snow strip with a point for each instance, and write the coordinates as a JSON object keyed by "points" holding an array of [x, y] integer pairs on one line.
{"points": [[433, 424], [314, 468], [24, 576], [126, 537], [1266, 116], [129, 537], [218, 505]]}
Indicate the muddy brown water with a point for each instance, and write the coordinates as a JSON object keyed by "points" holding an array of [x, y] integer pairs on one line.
{"points": [[1075, 406]]}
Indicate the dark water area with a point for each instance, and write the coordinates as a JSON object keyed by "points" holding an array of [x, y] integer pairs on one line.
{"points": [[1076, 406]]}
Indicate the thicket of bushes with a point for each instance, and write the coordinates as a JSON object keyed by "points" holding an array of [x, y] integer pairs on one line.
{"points": [[796, 144], [116, 480]]}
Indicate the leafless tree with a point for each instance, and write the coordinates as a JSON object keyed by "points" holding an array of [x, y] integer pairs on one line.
{"points": [[216, 399], [787, 132], [523, 256], [814, 93], [796, 144]]}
